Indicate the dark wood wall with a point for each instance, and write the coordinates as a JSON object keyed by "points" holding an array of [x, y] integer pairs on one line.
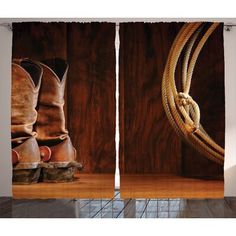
{"points": [[148, 143], [90, 93]]}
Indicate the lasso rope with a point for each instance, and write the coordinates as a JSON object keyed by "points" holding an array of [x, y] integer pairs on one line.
{"points": [[181, 109]]}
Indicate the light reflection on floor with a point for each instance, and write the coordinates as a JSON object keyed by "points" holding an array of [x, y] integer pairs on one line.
{"points": [[118, 208]]}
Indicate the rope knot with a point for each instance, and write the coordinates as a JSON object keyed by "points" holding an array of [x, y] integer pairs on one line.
{"points": [[184, 99]]}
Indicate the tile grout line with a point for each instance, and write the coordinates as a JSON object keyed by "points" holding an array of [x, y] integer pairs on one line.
{"points": [[89, 200], [124, 208], [145, 208], [105, 205]]}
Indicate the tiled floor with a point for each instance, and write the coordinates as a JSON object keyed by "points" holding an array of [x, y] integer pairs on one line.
{"points": [[118, 208]]}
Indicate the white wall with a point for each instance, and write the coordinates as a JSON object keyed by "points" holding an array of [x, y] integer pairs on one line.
{"points": [[230, 111], [230, 98], [5, 109]]}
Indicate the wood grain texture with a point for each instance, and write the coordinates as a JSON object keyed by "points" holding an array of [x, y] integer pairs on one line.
{"points": [[86, 186], [132, 186], [148, 142], [169, 186], [39, 41], [91, 94]]}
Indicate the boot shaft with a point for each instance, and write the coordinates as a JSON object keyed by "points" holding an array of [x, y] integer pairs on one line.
{"points": [[50, 124], [26, 81]]}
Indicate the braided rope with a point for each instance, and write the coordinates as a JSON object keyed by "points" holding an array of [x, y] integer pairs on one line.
{"points": [[181, 109]]}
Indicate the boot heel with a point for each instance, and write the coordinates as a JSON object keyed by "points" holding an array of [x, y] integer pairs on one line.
{"points": [[58, 175], [25, 176]]}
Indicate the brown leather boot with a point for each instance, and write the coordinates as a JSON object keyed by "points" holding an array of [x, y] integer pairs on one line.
{"points": [[57, 151], [26, 80]]}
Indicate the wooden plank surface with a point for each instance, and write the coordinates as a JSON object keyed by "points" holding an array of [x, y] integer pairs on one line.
{"points": [[91, 94], [132, 186], [86, 186], [171, 186]]}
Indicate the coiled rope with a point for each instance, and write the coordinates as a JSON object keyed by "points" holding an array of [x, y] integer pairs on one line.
{"points": [[181, 109]]}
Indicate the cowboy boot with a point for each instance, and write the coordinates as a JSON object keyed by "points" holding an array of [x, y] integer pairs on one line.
{"points": [[26, 80], [56, 149]]}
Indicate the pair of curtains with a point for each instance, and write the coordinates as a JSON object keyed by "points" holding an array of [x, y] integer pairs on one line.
{"points": [[148, 144]]}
